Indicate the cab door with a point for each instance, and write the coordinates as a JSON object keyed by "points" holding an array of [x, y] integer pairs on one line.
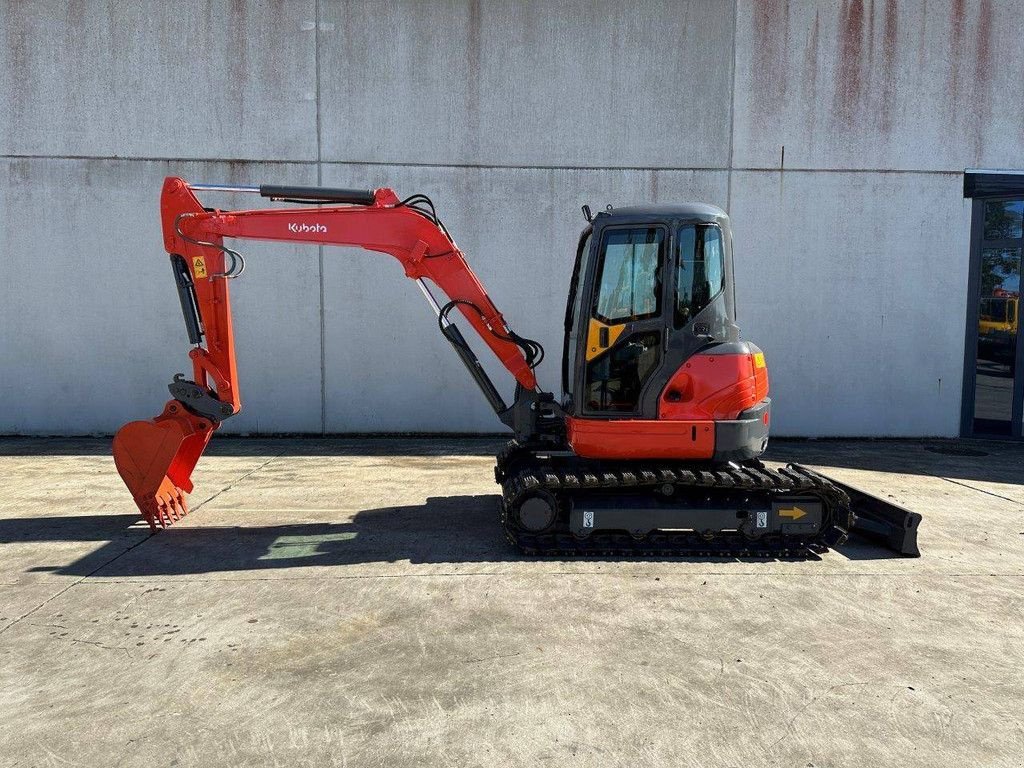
{"points": [[622, 340]]}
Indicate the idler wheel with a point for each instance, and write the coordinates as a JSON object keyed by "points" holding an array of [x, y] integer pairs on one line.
{"points": [[537, 512]]}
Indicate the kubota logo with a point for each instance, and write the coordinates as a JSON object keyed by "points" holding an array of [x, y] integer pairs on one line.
{"points": [[303, 229]]}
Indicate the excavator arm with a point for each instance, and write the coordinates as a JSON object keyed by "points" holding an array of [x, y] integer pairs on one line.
{"points": [[156, 458]]}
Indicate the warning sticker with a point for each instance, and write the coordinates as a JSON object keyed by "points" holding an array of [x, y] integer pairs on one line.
{"points": [[199, 266], [762, 518], [588, 519]]}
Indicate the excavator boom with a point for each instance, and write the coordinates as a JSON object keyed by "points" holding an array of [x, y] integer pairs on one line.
{"points": [[156, 458]]}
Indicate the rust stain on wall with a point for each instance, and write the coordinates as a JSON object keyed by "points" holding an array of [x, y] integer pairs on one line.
{"points": [[771, 44], [849, 83], [810, 80], [473, 74], [957, 20], [811, 56], [870, 16], [238, 61], [890, 40], [922, 33], [982, 93], [17, 47], [969, 85]]}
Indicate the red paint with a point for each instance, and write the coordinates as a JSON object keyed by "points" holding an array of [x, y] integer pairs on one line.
{"points": [[156, 458], [641, 439], [713, 387], [706, 389], [420, 245]]}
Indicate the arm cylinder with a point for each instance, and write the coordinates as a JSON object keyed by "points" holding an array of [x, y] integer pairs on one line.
{"points": [[325, 194]]}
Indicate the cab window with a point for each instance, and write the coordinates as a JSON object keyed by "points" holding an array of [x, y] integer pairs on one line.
{"points": [[629, 276], [699, 271]]}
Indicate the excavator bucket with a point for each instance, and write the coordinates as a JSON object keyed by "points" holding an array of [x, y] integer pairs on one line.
{"points": [[156, 458]]}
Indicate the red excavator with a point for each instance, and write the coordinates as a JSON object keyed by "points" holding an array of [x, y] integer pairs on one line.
{"points": [[653, 447]]}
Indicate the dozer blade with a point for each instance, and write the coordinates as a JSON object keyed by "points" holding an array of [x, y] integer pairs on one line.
{"points": [[156, 458], [885, 522]]}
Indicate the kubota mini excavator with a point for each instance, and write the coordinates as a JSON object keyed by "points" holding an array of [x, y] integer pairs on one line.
{"points": [[653, 447]]}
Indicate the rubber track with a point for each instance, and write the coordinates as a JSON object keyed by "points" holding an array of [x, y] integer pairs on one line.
{"points": [[520, 474]]}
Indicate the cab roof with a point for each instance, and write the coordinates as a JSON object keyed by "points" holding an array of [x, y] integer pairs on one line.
{"points": [[691, 211]]}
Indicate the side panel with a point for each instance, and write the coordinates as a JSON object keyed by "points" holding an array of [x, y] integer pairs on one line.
{"points": [[641, 438], [737, 439]]}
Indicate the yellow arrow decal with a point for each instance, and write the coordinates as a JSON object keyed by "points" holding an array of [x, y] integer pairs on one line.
{"points": [[793, 513]]}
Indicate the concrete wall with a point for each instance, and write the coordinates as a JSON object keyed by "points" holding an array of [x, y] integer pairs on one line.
{"points": [[852, 243]]}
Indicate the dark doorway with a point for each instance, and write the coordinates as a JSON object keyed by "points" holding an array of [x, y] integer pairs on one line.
{"points": [[993, 379]]}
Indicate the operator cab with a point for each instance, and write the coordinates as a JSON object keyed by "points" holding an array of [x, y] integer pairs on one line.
{"points": [[652, 286]]}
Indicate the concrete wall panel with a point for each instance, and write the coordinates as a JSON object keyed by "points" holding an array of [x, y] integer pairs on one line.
{"points": [[91, 327], [152, 79], [527, 83], [855, 286], [387, 366], [888, 85], [510, 115]]}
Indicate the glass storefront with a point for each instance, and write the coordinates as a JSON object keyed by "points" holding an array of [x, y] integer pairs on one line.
{"points": [[996, 364]]}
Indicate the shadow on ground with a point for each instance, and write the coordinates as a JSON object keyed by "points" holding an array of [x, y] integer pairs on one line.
{"points": [[457, 529]]}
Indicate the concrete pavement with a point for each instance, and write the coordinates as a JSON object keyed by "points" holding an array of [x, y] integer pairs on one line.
{"points": [[353, 602]]}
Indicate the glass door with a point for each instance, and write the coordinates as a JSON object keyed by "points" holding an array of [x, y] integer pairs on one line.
{"points": [[624, 334], [996, 409]]}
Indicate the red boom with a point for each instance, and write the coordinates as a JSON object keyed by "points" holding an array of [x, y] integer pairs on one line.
{"points": [[156, 458]]}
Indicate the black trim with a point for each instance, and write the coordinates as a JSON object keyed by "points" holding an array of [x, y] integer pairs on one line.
{"points": [[883, 521], [583, 249], [969, 382], [199, 400], [993, 183], [187, 296], [472, 363], [323, 194], [745, 437]]}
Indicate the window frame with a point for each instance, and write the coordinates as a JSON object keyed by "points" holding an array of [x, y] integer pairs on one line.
{"points": [[598, 272], [677, 260], [978, 243]]}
